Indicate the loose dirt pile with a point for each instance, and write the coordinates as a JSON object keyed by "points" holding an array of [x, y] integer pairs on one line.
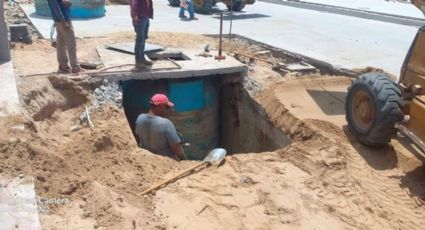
{"points": [[323, 180], [100, 171]]}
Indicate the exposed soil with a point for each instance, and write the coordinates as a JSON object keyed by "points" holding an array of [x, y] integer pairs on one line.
{"points": [[323, 180]]}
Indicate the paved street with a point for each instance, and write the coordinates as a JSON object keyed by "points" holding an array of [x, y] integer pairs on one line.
{"points": [[343, 41]]}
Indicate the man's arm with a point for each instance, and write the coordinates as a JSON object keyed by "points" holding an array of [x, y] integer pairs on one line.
{"points": [[178, 150], [174, 141], [134, 9], [56, 10]]}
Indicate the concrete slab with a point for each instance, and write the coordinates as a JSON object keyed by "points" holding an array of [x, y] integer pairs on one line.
{"points": [[121, 67], [9, 99], [114, 60], [18, 204], [343, 41]]}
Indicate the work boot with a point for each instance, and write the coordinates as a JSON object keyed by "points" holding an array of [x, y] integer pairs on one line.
{"points": [[147, 63], [140, 65], [64, 69], [77, 69]]}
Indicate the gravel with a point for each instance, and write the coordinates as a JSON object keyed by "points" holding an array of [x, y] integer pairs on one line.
{"points": [[107, 93], [252, 86]]}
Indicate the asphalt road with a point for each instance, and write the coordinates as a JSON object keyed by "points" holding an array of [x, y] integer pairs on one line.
{"points": [[344, 41]]}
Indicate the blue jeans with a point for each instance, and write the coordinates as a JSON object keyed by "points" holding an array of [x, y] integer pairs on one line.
{"points": [[189, 8], [142, 29]]}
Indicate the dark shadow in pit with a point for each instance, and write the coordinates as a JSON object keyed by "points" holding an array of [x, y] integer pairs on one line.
{"points": [[330, 102], [232, 120], [378, 158], [244, 124]]}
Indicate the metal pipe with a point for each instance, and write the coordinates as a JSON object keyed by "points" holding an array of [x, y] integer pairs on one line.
{"points": [[102, 71], [221, 35], [220, 45]]}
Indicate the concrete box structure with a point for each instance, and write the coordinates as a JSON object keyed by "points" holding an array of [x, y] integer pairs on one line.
{"points": [[192, 81]]}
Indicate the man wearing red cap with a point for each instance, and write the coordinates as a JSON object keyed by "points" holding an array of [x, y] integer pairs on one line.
{"points": [[156, 133]]}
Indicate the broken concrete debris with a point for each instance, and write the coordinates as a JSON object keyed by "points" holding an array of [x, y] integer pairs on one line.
{"points": [[108, 92]]}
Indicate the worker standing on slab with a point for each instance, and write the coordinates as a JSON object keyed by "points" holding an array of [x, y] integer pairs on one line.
{"points": [[66, 45], [156, 133], [141, 12]]}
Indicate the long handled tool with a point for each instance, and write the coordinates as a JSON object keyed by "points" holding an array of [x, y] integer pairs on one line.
{"points": [[215, 155]]}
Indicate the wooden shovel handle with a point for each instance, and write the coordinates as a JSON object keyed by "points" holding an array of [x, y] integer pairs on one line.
{"points": [[173, 178]]}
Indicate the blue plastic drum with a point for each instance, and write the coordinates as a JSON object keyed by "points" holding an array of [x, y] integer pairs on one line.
{"points": [[196, 114], [79, 8]]}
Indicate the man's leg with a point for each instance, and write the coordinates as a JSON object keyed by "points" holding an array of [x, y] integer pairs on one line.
{"points": [[138, 42], [71, 46], [61, 48], [191, 10], [181, 13], [145, 27]]}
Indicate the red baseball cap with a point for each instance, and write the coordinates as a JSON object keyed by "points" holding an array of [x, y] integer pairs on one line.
{"points": [[161, 99]]}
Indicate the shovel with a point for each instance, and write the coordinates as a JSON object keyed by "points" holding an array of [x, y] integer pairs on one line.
{"points": [[215, 155]]}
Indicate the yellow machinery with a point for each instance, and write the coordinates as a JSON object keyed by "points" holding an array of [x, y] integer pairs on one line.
{"points": [[377, 107]]}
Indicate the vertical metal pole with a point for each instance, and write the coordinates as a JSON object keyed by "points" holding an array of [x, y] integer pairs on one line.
{"points": [[221, 35], [220, 45], [231, 19]]}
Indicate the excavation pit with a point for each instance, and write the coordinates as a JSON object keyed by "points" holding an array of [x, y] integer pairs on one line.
{"points": [[212, 108]]}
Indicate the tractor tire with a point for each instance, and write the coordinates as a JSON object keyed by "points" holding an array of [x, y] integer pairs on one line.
{"points": [[174, 2], [373, 108], [203, 6], [238, 5]]}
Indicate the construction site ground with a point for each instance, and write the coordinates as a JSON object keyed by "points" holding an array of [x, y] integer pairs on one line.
{"points": [[323, 180]]}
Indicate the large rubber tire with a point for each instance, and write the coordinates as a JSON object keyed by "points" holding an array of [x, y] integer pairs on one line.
{"points": [[203, 6], [238, 5], [174, 2], [373, 107]]}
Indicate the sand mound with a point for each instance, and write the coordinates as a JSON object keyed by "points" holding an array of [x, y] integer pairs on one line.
{"points": [[100, 171]]}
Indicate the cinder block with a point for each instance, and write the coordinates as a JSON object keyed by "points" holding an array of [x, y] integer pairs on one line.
{"points": [[20, 33]]}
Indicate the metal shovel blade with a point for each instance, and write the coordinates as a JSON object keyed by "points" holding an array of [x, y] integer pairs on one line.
{"points": [[217, 154]]}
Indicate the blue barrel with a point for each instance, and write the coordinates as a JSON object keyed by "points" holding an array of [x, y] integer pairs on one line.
{"points": [[195, 114], [79, 8]]}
